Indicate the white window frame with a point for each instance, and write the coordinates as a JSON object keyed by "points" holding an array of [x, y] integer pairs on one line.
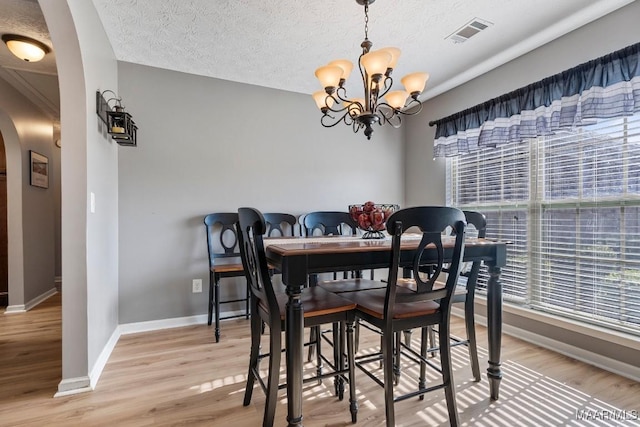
{"points": [[534, 207]]}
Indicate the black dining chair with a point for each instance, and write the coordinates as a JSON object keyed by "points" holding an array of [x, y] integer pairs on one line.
{"points": [[268, 307], [464, 293], [400, 306], [280, 224], [329, 223], [224, 262]]}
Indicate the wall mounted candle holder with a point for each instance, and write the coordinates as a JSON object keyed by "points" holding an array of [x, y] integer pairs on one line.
{"points": [[120, 124]]}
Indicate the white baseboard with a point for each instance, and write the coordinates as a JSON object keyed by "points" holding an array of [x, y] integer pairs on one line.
{"points": [[71, 386], [176, 322], [83, 384], [14, 309], [98, 367]]}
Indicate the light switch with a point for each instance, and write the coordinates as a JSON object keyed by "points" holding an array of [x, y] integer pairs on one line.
{"points": [[93, 203]]}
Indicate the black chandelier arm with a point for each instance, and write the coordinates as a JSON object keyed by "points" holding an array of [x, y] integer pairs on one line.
{"points": [[395, 124], [339, 110], [356, 125], [366, 45], [348, 105], [391, 115], [388, 82], [342, 97], [346, 118], [410, 106]]}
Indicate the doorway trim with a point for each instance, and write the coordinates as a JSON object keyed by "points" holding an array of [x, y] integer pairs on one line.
{"points": [[13, 152]]}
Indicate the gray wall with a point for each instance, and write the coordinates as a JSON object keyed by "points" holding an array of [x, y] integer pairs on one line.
{"points": [[208, 145], [427, 184], [31, 210]]}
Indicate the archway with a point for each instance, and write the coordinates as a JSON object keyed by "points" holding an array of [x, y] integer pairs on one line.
{"points": [[4, 246], [73, 129], [15, 253]]}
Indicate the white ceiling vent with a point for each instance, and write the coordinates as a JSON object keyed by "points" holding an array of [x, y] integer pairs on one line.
{"points": [[469, 30]]}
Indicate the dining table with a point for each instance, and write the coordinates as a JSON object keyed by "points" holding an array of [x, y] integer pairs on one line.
{"points": [[298, 257]]}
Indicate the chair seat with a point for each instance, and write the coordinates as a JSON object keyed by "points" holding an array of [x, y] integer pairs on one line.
{"points": [[372, 303], [351, 285], [228, 268], [316, 302]]}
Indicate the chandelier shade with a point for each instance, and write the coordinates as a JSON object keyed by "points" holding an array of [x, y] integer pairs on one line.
{"points": [[415, 82], [397, 98], [376, 63], [380, 104], [345, 65], [329, 76]]}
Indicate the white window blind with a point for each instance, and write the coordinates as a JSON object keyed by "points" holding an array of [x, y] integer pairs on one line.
{"points": [[570, 203]]}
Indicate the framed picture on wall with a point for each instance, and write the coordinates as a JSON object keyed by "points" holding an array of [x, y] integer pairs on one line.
{"points": [[39, 167]]}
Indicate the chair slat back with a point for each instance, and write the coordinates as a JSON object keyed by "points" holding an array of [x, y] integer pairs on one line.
{"points": [[252, 228], [329, 223], [479, 221], [222, 235], [426, 265], [280, 224]]}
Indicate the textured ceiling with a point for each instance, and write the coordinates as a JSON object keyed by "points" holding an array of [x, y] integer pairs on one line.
{"points": [[37, 81], [24, 17], [280, 43]]}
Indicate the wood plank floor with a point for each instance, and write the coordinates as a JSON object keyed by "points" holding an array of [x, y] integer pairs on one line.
{"points": [[181, 377]]}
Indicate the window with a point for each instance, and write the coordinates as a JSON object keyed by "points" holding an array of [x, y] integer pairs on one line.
{"points": [[570, 205]]}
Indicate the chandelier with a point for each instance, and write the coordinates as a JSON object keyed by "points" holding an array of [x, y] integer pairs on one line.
{"points": [[380, 104]]}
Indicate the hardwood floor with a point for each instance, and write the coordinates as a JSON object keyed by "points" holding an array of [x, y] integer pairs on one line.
{"points": [[181, 377]]}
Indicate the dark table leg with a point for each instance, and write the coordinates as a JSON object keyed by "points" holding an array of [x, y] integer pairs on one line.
{"points": [[294, 276], [494, 330]]}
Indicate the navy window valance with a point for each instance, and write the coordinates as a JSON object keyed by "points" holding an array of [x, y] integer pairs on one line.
{"points": [[606, 87]]}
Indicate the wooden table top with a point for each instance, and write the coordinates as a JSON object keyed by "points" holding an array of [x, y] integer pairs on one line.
{"points": [[287, 246]]}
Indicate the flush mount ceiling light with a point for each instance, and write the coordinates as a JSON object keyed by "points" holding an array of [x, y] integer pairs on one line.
{"points": [[379, 105], [25, 48]]}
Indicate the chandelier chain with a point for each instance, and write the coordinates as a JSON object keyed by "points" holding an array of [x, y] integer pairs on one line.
{"points": [[366, 20]]}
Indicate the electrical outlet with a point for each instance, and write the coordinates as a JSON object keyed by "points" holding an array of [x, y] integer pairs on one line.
{"points": [[196, 285]]}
